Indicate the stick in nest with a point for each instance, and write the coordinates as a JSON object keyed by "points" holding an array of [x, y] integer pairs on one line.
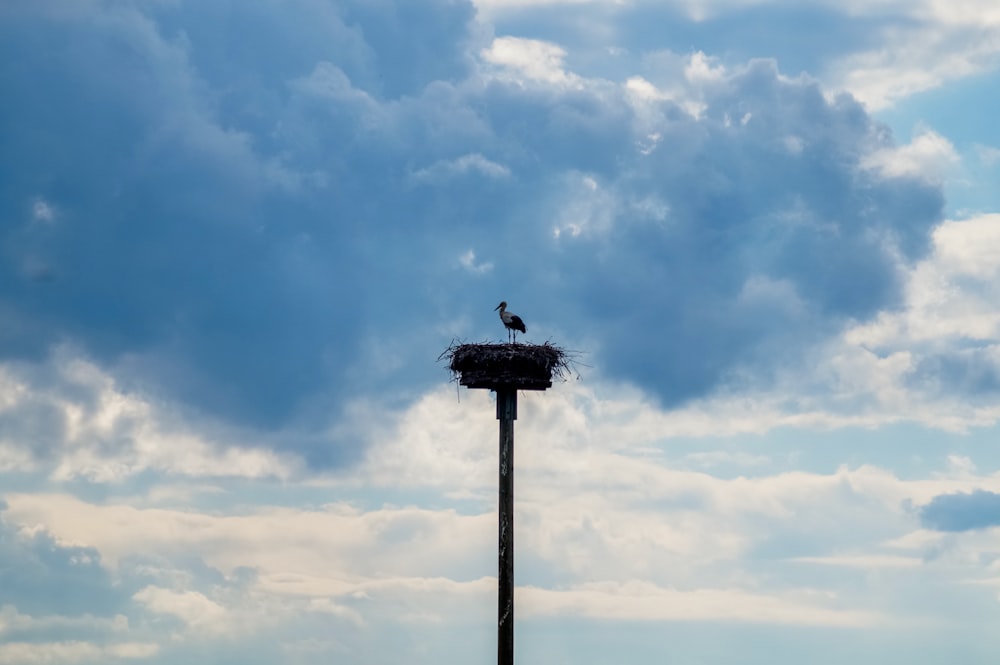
{"points": [[508, 363]]}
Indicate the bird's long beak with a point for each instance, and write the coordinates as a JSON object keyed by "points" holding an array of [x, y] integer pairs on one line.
{"points": [[496, 308]]}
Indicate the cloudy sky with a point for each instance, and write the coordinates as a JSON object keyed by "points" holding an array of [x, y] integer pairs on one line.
{"points": [[235, 235]]}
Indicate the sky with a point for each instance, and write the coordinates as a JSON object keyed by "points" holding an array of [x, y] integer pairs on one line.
{"points": [[235, 237]]}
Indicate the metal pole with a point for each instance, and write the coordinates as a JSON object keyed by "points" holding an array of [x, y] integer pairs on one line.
{"points": [[506, 414]]}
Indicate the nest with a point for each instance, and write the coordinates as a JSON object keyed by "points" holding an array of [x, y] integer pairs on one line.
{"points": [[507, 366]]}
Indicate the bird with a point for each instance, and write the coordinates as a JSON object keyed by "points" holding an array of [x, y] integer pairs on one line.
{"points": [[512, 322]]}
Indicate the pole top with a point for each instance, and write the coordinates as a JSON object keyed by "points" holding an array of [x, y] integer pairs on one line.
{"points": [[506, 404]]}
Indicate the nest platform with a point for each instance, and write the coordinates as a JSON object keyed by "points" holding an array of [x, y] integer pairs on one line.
{"points": [[506, 366]]}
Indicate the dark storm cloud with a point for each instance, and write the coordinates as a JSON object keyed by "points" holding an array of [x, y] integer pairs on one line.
{"points": [[175, 237], [774, 236], [962, 512], [241, 213], [388, 48]]}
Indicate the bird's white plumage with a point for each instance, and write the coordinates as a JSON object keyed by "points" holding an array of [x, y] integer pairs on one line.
{"points": [[512, 322]]}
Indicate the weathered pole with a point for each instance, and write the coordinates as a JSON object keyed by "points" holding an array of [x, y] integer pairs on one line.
{"points": [[506, 414], [505, 369]]}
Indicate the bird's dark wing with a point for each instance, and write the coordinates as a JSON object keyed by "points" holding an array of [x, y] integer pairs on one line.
{"points": [[517, 324]]}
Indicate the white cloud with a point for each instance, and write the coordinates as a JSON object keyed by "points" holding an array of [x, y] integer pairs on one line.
{"points": [[942, 42], [863, 561], [42, 211], [951, 295], [328, 606], [444, 170], [12, 621], [968, 248], [632, 535], [722, 457], [468, 261], [641, 601], [684, 79], [589, 207], [957, 12], [108, 434], [530, 60], [929, 43], [338, 540], [643, 89], [191, 607], [601, 500], [612, 439], [703, 69], [929, 156], [46, 653]]}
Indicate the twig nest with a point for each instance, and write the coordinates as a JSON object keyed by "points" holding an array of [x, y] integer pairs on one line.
{"points": [[507, 366]]}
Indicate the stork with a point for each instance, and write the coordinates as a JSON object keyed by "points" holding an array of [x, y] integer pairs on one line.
{"points": [[512, 322]]}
